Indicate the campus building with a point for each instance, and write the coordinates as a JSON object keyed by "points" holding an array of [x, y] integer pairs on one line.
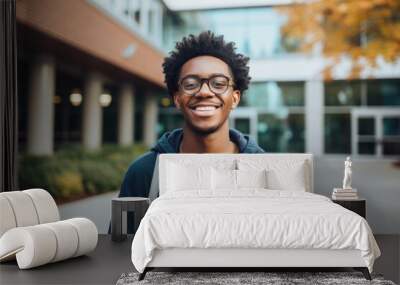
{"points": [[289, 107], [90, 74]]}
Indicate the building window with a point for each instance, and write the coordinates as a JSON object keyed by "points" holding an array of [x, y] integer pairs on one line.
{"points": [[337, 133], [248, 30], [343, 93], [168, 121], [391, 134], [372, 105], [280, 108], [274, 95], [243, 125], [169, 118], [281, 134], [67, 115], [292, 93], [296, 138], [110, 115], [139, 115], [383, 92]]}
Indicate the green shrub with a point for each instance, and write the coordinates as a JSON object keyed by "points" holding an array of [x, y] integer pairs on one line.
{"points": [[69, 184], [39, 172], [72, 171], [100, 176]]}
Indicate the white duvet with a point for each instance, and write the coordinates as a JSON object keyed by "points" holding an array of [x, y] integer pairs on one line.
{"points": [[253, 218]]}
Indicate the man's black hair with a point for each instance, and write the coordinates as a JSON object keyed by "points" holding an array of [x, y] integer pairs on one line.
{"points": [[206, 43]]}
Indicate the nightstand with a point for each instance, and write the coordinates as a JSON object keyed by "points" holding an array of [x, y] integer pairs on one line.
{"points": [[137, 205], [358, 206]]}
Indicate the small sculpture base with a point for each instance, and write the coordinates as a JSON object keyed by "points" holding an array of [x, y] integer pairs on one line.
{"points": [[345, 194], [344, 190]]}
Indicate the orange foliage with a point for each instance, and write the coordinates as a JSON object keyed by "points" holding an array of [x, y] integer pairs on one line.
{"points": [[360, 29]]}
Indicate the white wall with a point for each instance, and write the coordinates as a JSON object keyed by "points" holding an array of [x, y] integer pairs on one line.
{"points": [[298, 67], [376, 180]]}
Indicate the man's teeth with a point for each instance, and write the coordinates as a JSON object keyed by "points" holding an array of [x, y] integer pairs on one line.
{"points": [[205, 108]]}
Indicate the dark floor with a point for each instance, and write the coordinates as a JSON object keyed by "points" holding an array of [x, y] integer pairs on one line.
{"points": [[106, 264], [389, 262]]}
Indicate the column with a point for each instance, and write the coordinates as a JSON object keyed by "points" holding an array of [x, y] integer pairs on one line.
{"points": [[314, 116], [41, 107], [92, 112], [144, 16], [157, 22], [126, 116], [150, 120]]}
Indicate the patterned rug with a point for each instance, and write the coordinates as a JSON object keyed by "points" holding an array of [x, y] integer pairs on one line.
{"points": [[243, 278]]}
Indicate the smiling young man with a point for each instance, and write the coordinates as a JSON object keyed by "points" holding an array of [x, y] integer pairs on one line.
{"points": [[205, 78]]}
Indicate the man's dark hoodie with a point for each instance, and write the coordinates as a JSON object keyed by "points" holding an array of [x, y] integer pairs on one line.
{"points": [[138, 178]]}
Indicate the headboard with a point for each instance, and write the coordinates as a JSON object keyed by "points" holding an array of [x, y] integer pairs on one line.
{"points": [[284, 161]]}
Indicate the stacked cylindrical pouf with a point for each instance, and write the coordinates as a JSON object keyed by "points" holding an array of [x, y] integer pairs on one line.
{"points": [[31, 232]]}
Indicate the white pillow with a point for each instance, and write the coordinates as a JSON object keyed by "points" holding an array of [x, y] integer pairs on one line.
{"points": [[183, 177], [224, 179], [292, 179], [281, 174], [251, 178]]}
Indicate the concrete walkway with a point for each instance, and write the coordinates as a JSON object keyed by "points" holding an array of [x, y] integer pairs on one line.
{"points": [[97, 209]]}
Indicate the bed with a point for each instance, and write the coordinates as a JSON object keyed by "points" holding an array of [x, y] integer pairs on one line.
{"points": [[247, 210]]}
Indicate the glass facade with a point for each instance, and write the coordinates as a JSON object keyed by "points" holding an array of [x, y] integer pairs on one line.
{"points": [[169, 121], [243, 125], [280, 108], [376, 129], [274, 96], [343, 93], [142, 17], [255, 31], [281, 134], [383, 92], [67, 117], [169, 118], [391, 135], [391, 126], [110, 115], [337, 133]]}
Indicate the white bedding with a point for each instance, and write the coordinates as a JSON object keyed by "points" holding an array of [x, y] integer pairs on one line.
{"points": [[251, 218]]}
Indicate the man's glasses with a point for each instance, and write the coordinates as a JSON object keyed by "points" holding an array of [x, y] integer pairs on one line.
{"points": [[191, 84]]}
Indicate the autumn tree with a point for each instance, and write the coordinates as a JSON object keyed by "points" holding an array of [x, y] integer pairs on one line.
{"points": [[363, 30]]}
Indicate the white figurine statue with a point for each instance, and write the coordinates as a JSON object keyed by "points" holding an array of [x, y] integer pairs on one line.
{"points": [[347, 174]]}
